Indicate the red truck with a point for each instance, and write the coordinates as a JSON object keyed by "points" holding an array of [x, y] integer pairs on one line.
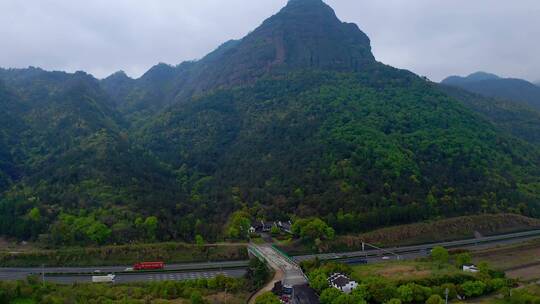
{"points": [[149, 266]]}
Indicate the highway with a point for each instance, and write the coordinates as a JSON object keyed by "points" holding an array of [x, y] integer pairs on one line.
{"points": [[150, 277], [293, 274], [411, 252], [71, 272]]}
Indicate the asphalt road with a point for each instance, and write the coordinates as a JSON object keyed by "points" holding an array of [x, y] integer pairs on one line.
{"points": [[192, 268], [151, 277], [412, 252]]}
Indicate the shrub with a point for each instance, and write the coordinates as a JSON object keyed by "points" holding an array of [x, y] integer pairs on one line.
{"points": [[473, 288], [496, 284], [381, 290], [328, 295], [435, 299], [463, 259], [267, 298]]}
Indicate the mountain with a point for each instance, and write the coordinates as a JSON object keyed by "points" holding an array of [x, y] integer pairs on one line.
{"points": [[304, 34], [296, 119], [501, 88]]}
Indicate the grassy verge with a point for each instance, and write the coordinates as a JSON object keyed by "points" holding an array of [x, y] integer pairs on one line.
{"points": [[125, 255], [427, 232], [405, 271]]}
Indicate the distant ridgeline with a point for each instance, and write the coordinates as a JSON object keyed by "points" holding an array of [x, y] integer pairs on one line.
{"points": [[296, 119]]}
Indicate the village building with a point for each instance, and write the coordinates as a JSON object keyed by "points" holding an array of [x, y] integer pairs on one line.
{"points": [[342, 282]]}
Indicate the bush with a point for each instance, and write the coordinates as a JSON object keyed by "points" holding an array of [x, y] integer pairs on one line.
{"points": [[435, 299], [196, 298], [328, 295], [381, 290], [267, 298], [452, 290], [496, 284], [463, 259], [473, 288]]}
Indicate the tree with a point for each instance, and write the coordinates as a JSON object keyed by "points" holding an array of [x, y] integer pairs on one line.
{"points": [[473, 288], [150, 226], [394, 301], [239, 224], [274, 230], [405, 293], [257, 273], [463, 259], [267, 298], [312, 229], [318, 280], [199, 240], [344, 298], [435, 299], [329, 295], [361, 293], [34, 214], [98, 232], [380, 289], [440, 255]]}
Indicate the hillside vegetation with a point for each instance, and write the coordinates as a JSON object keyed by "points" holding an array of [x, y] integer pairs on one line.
{"points": [[295, 120], [458, 228]]}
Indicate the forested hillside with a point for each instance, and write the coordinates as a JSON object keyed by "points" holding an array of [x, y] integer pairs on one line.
{"points": [[297, 119], [490, 85]]}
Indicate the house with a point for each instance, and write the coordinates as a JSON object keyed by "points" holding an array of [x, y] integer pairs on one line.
{"points": [[285, 226], [342, 282], [470, 268], [261, 226]]}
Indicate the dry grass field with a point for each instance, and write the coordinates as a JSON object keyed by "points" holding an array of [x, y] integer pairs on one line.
{"points": [[520, 261]]}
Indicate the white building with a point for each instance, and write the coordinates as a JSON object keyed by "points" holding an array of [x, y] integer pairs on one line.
{"points": [[342, 282], [470, 268]]}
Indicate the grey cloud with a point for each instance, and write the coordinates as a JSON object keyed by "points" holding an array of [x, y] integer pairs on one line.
{"points": [[435, 38]]}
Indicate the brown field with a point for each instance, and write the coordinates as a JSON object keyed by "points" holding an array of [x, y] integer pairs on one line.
{"points": [[403, 270], [518, 261]]}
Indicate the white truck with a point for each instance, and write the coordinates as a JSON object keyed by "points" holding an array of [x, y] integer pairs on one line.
{"points": [[104, 279]]}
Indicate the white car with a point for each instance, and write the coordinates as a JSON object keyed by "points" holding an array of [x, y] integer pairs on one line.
{"points": [[129, 269], [386, 258]]}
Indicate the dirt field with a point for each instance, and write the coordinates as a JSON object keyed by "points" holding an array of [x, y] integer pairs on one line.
{"points": [[519, 261], [403, 270]]}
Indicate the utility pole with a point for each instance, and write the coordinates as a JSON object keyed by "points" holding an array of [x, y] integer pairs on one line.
{"points": [[446, 292]]}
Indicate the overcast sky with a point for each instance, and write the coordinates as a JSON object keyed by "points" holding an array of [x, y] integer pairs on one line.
{"points": [[435, 38]]}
